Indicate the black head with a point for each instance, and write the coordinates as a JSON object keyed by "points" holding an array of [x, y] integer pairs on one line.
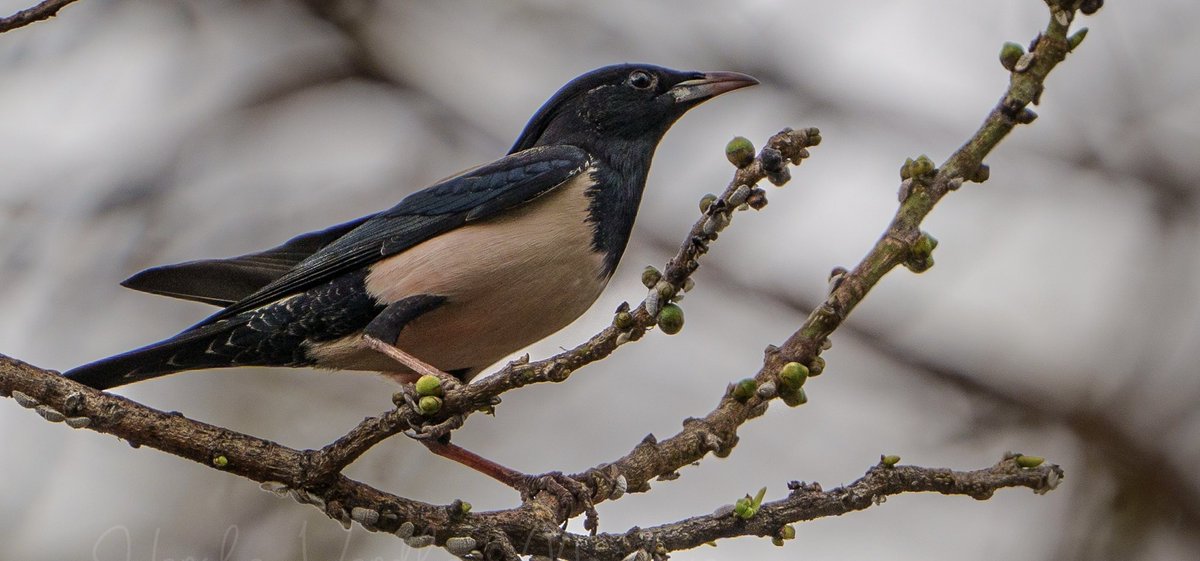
{"points": [[632, 102]]}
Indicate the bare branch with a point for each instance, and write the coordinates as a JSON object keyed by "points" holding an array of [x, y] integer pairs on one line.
{"points": [[44, 10], [810, 502]]}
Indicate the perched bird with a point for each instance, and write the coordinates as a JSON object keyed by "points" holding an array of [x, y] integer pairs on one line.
{"points": [[457, 275]]}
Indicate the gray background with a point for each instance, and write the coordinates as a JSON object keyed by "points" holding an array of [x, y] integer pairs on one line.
{"points": [[1064, 301]]}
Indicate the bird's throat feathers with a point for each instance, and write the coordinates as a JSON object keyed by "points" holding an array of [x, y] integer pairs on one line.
{"points": [[619, 173]]}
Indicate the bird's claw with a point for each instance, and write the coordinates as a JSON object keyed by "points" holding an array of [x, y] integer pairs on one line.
{"points": [[406, 399], [421, 431], [569, 493]]}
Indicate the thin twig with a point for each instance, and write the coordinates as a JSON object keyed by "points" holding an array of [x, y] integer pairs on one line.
{"points": [[44, 10]]}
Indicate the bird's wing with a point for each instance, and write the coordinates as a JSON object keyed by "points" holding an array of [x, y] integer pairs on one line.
{"points": [[474, 195], [225, 281]]}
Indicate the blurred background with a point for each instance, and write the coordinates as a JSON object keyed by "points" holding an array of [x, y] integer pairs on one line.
{"points": [[1062, 318]]}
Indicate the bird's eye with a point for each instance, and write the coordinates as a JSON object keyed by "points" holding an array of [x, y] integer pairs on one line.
{"points": [[641, 79]]}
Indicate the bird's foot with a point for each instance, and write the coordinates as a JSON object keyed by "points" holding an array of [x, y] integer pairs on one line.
{"points": [[436, 431], [568, 492], [419, 426]]}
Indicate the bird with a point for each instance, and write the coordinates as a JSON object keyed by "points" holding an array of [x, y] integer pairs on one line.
{"points": [[455, 276]]}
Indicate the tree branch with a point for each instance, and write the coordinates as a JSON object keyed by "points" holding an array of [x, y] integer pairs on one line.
{"points": [[282, 470], [44, 10]]}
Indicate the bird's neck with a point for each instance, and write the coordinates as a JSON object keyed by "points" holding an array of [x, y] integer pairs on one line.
{"points": [[621, 168]]}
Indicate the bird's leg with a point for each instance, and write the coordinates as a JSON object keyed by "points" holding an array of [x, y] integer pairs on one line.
{"points": [[566, 489], [443, 448], [413, 363], [387, 326]]}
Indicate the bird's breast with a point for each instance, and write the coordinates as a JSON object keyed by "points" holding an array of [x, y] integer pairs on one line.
{"points": [[509, 281]]}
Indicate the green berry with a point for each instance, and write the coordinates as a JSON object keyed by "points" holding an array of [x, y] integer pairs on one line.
{"points": [[794, 398], [220, 461], [740, 151], [429, 404], [1010, 53], [429, 385], [906, 169], [793, 375], [1029, 461], [925, 244], [670, 319], [921, 166], [744, 389], [816, 367], [787, 532]]}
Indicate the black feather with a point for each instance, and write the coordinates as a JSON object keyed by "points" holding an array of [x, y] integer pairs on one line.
{"points": [[269, 336], [225, 281], [477, 194]]}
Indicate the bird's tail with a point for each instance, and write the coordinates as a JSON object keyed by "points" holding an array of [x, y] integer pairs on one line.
{"points": [[204, 347]]}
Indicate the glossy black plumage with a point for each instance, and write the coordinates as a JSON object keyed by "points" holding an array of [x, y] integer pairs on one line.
{"points": [[305, 302]]}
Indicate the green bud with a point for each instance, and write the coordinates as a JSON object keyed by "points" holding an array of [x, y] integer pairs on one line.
{"points": [[794, 398], [787, 532], [651, 276], [1010, 53], [429, 385], [793, 375], [744, 389], [982, 173], [464, 507], [429, 404], [920, 257], [906, 169], [220, 461], [919, 265], [744, 508], [812, 136], [890, 460], [623, 320], [925, 244], [706, 202], [777, 541], [921, 166], [1029, 461], [740, 151], [670, 319], [816, 367]]}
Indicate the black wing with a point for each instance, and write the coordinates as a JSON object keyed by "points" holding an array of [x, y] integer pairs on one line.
{"points": [[225, 281], [476, 194]]}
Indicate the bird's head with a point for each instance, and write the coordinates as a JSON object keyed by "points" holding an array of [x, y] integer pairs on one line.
{"points": [[631, 102]]}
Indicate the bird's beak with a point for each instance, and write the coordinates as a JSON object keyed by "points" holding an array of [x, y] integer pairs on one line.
{"points": [[711, 85]]}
